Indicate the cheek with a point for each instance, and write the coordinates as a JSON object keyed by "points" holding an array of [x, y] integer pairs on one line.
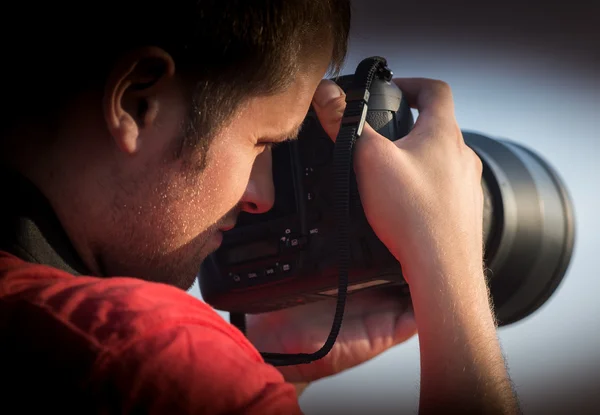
{"points": [[226, 178]]}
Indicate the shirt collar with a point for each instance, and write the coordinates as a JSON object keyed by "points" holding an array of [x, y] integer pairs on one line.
{"points": [[29, 228]]}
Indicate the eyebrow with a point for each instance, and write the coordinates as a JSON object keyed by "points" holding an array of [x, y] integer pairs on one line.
{"points": [[290, 135]]}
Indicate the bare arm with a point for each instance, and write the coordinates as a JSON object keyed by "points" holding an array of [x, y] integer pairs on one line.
{"points": [[462, 366], [430, 216], [422, 196]]}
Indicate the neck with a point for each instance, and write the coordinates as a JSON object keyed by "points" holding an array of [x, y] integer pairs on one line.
{"points": [[30, 229], [56, 180]]}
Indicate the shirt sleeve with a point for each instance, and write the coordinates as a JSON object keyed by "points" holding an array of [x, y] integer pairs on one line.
{"points": [[127, 346]]}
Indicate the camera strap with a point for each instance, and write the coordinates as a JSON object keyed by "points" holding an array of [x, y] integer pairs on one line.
{"points": [[353, 121]]}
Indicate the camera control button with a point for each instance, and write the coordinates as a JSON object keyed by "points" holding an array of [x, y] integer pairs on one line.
{"points": [[295, 241], [269, 272], [292, 241]]}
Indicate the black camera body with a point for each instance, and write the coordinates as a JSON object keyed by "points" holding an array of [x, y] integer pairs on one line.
{"points": [[287, 256]]}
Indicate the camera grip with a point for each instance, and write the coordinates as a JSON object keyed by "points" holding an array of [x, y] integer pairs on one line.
{"points": [[384, 122], [388, 111]]}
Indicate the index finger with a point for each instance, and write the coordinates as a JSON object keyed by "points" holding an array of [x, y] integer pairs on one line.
{"points": [[426, 95], [432, 98]]}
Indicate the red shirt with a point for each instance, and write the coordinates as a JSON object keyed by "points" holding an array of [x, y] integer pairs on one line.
{"points": [[123, 345]]}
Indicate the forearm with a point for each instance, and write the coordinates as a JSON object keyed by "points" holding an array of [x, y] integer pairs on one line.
{"points": [[462, 367]]}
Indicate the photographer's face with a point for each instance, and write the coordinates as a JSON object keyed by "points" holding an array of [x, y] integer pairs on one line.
{"points": [[163, 217]]}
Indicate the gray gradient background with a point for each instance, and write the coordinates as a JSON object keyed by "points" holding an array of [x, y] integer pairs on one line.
{"points": [[530, 73]]}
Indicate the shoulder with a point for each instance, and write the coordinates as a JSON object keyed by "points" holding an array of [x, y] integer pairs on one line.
{"points": [[157, 348], [120, 309]]}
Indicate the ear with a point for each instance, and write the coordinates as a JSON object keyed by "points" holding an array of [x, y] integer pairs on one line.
{"points": [[131, 94]]}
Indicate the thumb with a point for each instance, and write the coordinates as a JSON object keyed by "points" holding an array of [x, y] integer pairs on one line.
{"points": [[329, 103], [371, 149]]}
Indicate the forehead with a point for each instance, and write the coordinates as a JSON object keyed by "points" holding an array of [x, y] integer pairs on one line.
{"points": [[284, 111], [275, 114]]}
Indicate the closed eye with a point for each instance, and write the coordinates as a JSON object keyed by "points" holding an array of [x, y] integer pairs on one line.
{"points": [[271, 145], [272, 142]]}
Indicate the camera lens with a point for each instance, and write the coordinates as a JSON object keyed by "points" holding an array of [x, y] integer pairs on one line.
{"points": [[529, 226]]}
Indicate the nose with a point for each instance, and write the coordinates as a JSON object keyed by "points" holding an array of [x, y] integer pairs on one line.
{"points": [[259, 195]]}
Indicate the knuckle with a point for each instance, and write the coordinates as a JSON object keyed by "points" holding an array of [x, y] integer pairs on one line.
{"points": [[476, 161], [441, 87], [478, 164], [339, 103], [334, 111], [437, 96]]}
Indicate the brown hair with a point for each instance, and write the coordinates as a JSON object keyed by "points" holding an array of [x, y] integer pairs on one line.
{"points": [[232, 49]]}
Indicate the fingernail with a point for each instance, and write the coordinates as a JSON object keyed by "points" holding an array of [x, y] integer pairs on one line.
{"points": [[326, 92]]}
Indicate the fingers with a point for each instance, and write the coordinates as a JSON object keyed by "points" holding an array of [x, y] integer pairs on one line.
{"points": [[427, 95], [406, 327], [329, 103], [372, 304], [433, 99]]}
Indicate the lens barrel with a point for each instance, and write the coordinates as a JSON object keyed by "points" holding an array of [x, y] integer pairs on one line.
{"points": [[529, 226]]}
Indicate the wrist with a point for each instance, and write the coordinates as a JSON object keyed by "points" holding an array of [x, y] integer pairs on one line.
{"points": [[451, 274], [459, 294], [462, 365]]}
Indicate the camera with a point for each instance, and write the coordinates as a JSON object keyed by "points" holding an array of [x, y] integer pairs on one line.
{"points": [[286, 257]]}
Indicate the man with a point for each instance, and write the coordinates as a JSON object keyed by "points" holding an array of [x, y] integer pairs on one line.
{"points": [[125, 158]]}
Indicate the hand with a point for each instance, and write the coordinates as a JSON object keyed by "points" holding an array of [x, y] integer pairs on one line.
{"points": [[421, 194], [427, 207], [423, 198], [429, 210], [374, 321]]}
